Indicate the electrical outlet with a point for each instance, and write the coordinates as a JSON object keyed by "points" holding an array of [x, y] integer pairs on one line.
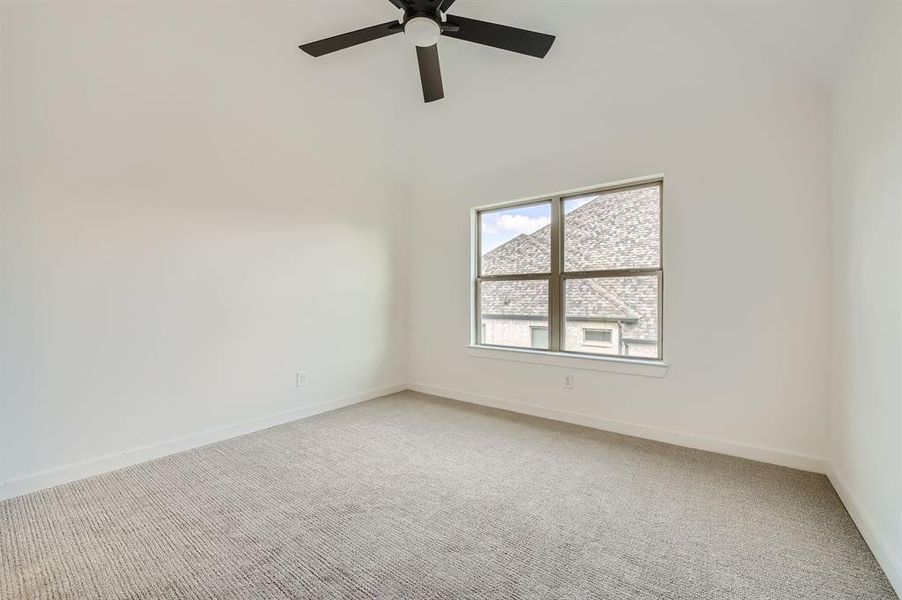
{"points": [[300, 379], [568, 382]]}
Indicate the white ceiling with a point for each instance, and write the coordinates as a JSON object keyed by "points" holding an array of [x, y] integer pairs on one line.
{"points": [[611, 60], [362, 109], [814, 34], [810, 36]]}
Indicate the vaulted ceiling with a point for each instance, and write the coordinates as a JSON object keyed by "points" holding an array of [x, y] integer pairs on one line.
{"points": [[616, 69], [814, 35]]}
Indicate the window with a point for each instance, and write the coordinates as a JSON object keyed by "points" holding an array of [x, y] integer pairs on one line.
{"points": [[539, 337], [573, 273], [598, 336]]}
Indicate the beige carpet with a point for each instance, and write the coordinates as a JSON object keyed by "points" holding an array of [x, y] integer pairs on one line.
{"points": [[416, 497]]}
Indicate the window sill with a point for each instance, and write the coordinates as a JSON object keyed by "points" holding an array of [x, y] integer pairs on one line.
{"points": [[610, 364]]}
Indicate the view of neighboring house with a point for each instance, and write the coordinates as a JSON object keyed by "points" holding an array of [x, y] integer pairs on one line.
{"points": [[604, 315]]}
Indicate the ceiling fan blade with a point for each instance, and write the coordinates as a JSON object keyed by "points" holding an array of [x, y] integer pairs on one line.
{"points": [[500, 36], [353, 38], [397, 3], [430, 73], [446, 5]]}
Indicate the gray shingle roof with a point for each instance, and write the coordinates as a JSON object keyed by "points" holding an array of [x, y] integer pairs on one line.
{"points": [[514, 298], [614, 230], [619, 230], [523, 254]]}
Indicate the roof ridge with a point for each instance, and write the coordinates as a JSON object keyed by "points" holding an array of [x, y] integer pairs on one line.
{"points": [[534, 241], [582, 206], [500, 246], [614, 299], [544, 227]]}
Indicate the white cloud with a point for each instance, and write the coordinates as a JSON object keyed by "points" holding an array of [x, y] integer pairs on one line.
{"points": [[517, 224]]}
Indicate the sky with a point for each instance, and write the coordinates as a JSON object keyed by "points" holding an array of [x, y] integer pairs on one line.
{"points": [[500, 226]]}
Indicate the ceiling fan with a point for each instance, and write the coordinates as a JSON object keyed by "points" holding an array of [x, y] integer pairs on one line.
{"points": [[423, 22]]}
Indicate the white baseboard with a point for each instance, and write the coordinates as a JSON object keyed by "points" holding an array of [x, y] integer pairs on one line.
{"points": [[689, 440], [891, 565], [111, 462]]}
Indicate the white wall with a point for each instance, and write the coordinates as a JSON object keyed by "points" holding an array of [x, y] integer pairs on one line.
{"points": [[180, 232], [742, 140], [866, 419]]}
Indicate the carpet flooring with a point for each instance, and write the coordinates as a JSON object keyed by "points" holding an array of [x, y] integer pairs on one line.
{"points": [[411, 496]]}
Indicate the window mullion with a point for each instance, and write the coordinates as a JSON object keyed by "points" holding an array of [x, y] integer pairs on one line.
{"points": [[514, 277], [631, 272], [555, 304]]}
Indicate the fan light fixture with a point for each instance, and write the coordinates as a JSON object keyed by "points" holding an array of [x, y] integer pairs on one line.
{"points": [[422, 31]]}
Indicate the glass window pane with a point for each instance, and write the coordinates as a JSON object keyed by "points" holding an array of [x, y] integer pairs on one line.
{"points": [[613, 230], [510, 310], [516, 240], [598, 336], [626, 306]]}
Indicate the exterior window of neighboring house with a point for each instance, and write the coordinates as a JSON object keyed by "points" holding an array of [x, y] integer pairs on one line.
{"points": [[578, 273], [601, 337], [539, 337]]}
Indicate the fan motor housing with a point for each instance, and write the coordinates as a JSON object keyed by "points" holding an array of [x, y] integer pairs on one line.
{"points": [[422, 29]]}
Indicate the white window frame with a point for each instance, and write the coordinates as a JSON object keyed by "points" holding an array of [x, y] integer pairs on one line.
{"points": [[557, 280]]}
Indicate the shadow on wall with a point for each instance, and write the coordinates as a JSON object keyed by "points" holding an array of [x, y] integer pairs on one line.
{"points": [[131, 322]]}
